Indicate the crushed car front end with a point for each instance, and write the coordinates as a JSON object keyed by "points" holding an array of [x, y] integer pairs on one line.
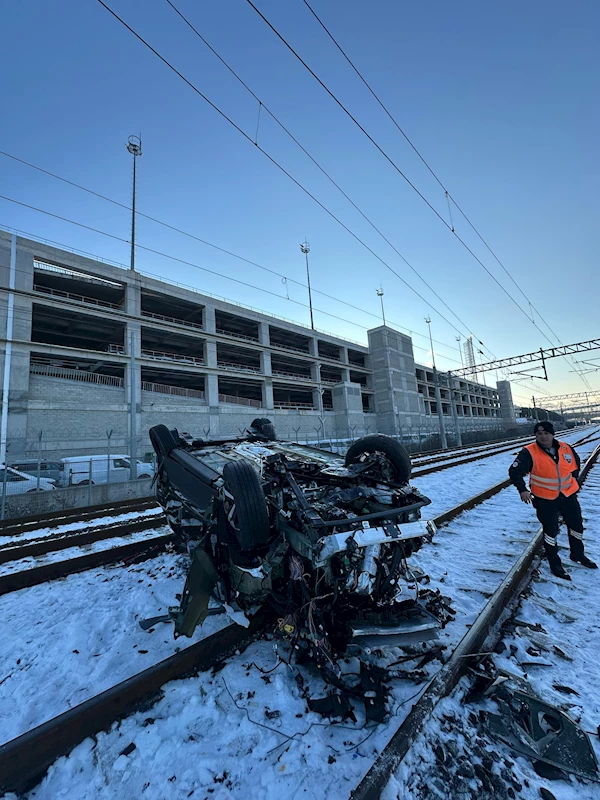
{"points": [[323, 541]]}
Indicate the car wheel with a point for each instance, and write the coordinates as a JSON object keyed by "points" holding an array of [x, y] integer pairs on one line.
{"points": [[140, 477], [395, 454], [85, 483], [250, 519], [29, 491], [265, 427], [162, 440]]}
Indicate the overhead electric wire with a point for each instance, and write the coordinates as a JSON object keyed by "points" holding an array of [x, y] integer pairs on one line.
{"points": [[447, 192], [216, 247], [262, 105], [275, 163], [191, 264], [393, 164]]}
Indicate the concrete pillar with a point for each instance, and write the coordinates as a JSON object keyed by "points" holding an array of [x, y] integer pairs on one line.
{"points": [[210, 356], [348, 410], [265, 362], [208, 319], [394, 380], [313, 347], [267, 394], [212, 393], [507, 409], [344, 355], [133, 295], [16, 270], [263, 334]]}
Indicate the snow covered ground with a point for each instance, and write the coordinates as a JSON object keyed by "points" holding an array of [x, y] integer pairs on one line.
{"points": [[30, 562], [72, 527], [564, 654], [78, 636]]}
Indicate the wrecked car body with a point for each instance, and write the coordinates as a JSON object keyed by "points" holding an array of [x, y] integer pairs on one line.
{"points": [[321, 540]]}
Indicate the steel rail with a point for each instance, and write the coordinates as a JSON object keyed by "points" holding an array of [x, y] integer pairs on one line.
{"points": [[16, 525], [12, 582], [51, 544], [25, 760], [374, 782]]}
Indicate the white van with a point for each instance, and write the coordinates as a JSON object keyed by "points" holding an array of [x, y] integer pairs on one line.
{"points": [[78, 470]]}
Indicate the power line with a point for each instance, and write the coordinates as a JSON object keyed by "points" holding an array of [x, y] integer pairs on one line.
{"points": [[214, 246], [447, 193], [396, 167], [189, 264], [275, 163], [314, 161]]}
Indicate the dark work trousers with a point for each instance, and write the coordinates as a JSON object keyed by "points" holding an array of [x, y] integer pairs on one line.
{"points": [[548, 513]]}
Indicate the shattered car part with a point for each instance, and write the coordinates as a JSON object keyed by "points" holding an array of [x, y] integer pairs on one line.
{"points": [[324, 541], [539, 731]]}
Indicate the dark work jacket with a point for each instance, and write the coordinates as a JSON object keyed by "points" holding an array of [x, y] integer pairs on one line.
{"points": [[523, 465]]}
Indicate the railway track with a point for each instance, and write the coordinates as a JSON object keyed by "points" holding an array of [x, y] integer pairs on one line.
{"points": [[481, 635], [423, 464], [19, 525], [24, 760]]}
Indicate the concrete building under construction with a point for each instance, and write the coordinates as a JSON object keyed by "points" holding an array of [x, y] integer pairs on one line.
{"points": [[89, 347]]}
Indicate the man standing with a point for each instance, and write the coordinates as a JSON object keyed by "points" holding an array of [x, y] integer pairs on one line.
{"points": [[553, 468]]}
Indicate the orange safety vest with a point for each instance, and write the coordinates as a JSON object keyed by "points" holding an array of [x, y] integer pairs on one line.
{"points": [[548, 478]]}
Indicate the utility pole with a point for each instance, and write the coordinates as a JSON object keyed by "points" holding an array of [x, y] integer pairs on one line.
{"points": [[535, 413], [132, 410], [305, 248], [380, 296], [134, 145], [438, 396], [454, 410]]}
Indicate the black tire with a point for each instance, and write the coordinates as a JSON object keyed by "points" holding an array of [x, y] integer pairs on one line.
{"points": [[162, 440], [396, 454], [252, 527], [141, 477], [265, 427]]}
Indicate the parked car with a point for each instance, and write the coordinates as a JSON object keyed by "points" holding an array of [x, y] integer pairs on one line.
{"points": [[20, 483], [47, 469], [79, 470], [322, 539]]}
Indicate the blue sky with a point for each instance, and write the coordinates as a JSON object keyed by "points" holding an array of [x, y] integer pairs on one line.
{"points": [[500, 98]]}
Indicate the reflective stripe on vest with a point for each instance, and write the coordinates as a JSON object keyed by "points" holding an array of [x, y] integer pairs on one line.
{"points": [[548, 478]]}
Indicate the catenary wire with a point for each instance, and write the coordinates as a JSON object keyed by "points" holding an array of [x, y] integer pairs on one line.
{"points": [[188, 263], [214, 246], [395, 166], [276, 163], [316, 163], [447, 193]]}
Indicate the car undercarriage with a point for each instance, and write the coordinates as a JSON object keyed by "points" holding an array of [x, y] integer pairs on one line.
{"points": [[322, 542]]}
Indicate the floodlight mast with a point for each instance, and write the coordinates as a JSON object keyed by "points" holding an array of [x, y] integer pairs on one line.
{"points": [[134, 146], [305, 248]]}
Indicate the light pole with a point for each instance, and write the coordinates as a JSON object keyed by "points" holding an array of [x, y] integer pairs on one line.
{"points": [[305, 248], [438, 395], [380, 296], [462, 363], [134, 145]]}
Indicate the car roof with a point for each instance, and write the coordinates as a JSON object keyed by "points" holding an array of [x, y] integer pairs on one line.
{"points": [[89, 458]]}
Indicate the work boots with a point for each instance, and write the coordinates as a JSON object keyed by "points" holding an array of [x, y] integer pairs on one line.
{"points": [[554, 561], [577, 552]]}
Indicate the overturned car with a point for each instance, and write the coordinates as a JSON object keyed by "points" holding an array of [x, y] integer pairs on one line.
{"points": [[322, 540]]}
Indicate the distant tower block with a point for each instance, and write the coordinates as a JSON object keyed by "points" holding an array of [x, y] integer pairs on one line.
{"points": [[470, 356]]}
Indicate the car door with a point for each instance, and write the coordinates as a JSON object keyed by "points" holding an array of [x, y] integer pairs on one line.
{"points": [[15, 483], [119, 470]]}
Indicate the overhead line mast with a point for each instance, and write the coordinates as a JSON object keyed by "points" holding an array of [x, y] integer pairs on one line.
{"points": [[538, 355]]}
